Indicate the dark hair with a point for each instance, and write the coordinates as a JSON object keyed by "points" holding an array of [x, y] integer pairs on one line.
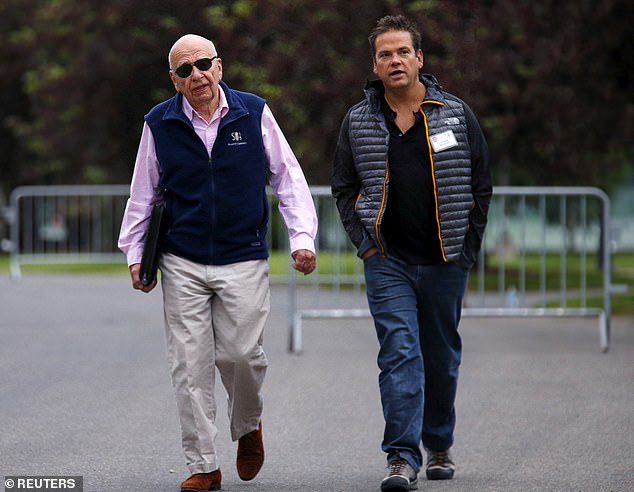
{"points": [[394, 23]]}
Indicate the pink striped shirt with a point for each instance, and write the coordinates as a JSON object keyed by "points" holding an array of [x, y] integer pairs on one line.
{"points": [[285, 178]]}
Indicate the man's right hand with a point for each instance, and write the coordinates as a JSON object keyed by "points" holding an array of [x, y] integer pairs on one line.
{"points": [[136, 279]]}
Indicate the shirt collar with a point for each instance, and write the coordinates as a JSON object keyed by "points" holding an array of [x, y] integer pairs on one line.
{"points": [[221, 110]]}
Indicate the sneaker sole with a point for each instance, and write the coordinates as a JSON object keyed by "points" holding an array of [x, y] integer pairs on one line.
{"points": [[398, 484], [439, 474]]}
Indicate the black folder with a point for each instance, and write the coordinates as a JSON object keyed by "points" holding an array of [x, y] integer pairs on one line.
{"points": [[149, 260]]}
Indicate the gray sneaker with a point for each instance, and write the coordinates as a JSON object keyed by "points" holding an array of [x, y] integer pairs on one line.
{"points": [[440, 466], [400, 477]]}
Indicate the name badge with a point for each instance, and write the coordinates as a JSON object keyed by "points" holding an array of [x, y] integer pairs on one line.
{"points": [[443, 141]]}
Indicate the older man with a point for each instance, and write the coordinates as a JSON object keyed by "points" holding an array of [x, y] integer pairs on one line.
{"points": [[207, 153]]}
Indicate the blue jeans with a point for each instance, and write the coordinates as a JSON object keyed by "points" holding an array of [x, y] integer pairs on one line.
{"points": [[416, 311]]}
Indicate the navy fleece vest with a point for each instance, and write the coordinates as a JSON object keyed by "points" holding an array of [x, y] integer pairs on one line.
{"points": [[216, 204]]}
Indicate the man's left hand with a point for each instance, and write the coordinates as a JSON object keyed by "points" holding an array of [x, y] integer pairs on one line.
{"points": [[305, 261]]}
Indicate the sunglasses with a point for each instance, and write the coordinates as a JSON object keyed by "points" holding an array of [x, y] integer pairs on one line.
{"points": [[203, 64]]}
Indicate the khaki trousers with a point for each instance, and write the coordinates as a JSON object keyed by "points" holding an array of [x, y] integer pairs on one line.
{"points": [[214, 317]]}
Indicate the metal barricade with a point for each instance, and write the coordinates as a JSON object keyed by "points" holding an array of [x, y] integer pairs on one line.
{"points": [[81, 223], [545, 252], [65, 224]]}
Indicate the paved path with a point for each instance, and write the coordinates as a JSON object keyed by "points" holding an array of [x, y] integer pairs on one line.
{"points": [[84, 390]]}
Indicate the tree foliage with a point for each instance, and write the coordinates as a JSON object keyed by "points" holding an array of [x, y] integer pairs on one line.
{"points": [[551, 81]]}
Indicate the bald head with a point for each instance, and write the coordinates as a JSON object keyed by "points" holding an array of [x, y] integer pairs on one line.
{"points": [[189, 42], [196, 72]]}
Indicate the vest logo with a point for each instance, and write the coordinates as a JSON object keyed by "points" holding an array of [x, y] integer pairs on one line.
{"points": [[451, 121], [236, 139]]}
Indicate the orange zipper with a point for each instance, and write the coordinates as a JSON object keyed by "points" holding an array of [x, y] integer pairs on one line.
{"points": [[433, 174]]}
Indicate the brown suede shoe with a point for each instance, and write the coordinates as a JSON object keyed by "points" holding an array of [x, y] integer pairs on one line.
{"points": [[250, 454], [202, 481]]}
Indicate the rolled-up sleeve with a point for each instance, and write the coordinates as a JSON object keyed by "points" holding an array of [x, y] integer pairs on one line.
{"points": [[289, 185], [144, 193]]}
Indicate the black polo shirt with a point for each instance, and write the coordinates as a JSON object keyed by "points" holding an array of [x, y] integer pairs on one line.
{"points": [[409, 226]]}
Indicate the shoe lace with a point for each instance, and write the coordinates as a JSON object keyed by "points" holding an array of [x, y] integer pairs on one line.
{"points": [[438, 458], [397, 467]]}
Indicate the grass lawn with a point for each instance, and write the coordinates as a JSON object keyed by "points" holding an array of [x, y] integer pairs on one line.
{"points": [[331, 264]]}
